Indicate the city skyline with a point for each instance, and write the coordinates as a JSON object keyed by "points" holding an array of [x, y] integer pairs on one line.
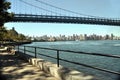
{"points": [[75, 37], [55, 29]]}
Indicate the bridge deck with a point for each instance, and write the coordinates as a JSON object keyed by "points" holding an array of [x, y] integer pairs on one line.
{"points": [[13, 68], [64, 19]]}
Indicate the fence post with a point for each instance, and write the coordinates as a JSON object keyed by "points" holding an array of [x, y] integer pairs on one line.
{"points": [[58, 58], [18, 48], [24, 49], [35, 53]]}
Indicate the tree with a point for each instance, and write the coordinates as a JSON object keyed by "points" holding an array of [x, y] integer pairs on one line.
{"points": [[3, 32], [5, 16], [12, 34], [21, 37]]}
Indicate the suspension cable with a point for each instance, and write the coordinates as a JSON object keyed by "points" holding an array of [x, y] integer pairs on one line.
{"points": [[39, 7], [73, 12], [66, 9]]}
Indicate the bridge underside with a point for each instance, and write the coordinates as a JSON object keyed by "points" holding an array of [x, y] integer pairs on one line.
{"points": [[64, 19]]}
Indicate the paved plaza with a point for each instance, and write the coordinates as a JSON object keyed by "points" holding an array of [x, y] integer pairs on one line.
{"points": [[13, 68]]}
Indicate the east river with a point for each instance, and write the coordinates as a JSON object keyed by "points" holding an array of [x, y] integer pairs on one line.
{"points": [[100, 46]]}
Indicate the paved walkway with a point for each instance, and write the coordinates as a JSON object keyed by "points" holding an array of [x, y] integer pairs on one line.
{"points": [[13, 68]]}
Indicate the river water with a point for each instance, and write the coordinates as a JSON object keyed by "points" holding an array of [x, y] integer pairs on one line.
{"points": [[101, 46]]}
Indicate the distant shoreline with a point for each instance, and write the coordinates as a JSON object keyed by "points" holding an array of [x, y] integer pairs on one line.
{"points": [[74, 40]]}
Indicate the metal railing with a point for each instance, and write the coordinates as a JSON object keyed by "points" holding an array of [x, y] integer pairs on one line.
{"points": [[76, 52]]}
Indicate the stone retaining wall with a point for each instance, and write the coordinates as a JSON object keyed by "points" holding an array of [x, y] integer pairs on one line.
{"points": [[60, 72]]}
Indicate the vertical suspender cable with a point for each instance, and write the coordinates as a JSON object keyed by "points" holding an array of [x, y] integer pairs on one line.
{"points": [[19, 6]]}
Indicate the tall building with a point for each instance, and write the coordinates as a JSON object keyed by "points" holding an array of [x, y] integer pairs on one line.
{"points": [[112, 36]]}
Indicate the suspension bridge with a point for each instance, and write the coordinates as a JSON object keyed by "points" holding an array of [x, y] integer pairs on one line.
{"points": [[41, 11]]}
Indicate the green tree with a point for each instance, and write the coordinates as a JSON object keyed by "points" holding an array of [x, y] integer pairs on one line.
{"points": [[5, 16], [12, 34], [21, 37], [3, 32]]}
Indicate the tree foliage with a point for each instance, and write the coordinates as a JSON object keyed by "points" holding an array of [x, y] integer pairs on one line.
{"points": [[11, 35], [5, 16], [3, 32]]}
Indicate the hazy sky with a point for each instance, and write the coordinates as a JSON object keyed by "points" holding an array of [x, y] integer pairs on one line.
{"points": [[101, 8]]}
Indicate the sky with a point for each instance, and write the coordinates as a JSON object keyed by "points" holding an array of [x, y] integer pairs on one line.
{"points": [[100, 8]]}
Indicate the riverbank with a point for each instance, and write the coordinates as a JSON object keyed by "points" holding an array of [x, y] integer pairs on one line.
{"points": [[102, 46], [15, 43], [61, 72]]}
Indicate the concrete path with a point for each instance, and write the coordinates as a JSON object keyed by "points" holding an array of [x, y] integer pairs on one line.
{"points": [[13, 68]]}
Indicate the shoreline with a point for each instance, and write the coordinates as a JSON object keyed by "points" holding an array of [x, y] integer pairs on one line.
{"points": [[15, 43]]}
